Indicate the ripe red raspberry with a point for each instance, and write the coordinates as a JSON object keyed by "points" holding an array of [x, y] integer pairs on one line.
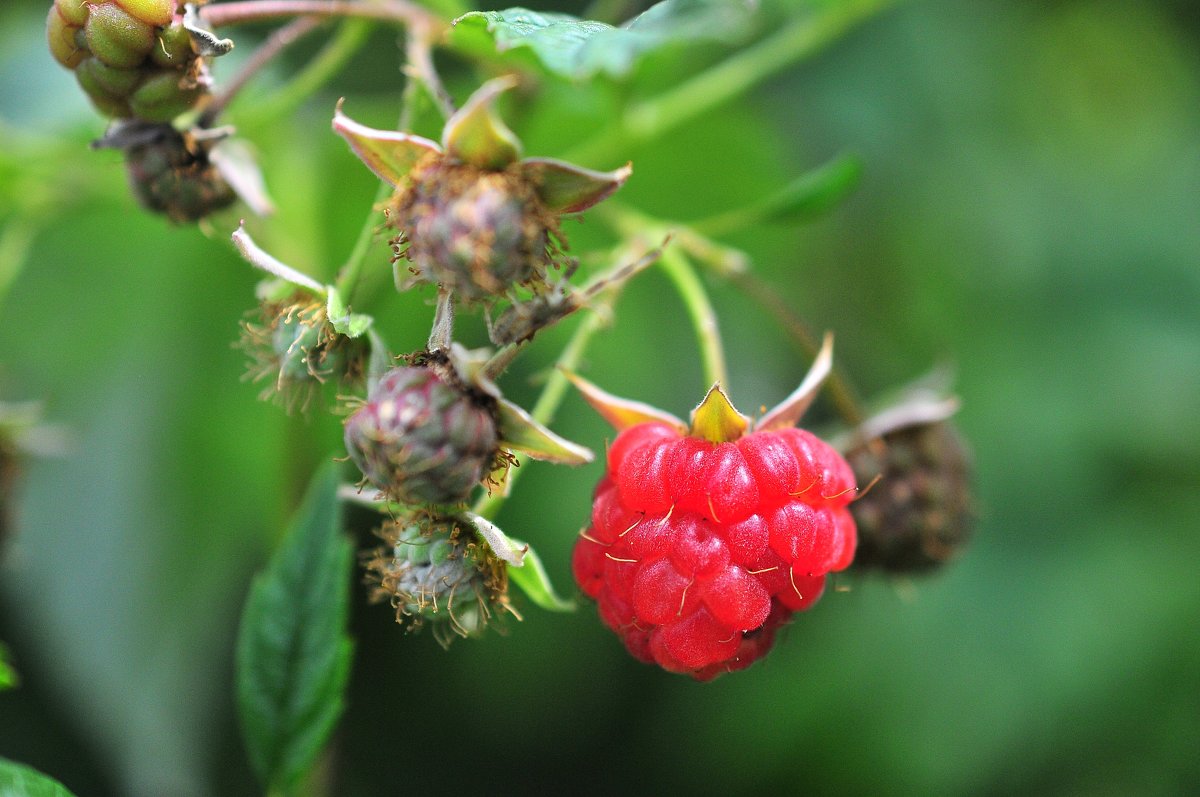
{"points": [[699, 547]]}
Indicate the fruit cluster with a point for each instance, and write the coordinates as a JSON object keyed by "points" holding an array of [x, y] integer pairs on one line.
{"points": [[133, 58]]}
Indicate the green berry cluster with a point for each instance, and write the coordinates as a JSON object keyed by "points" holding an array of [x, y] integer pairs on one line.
{"points": [[133, 58]]}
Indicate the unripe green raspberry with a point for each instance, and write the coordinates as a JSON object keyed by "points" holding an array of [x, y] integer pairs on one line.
{"points": [[422, 436], [60, 35], [152, 12], [436, 571], [117, 38], [131, 57], [165, 95], [75, 12], [478, 233]]}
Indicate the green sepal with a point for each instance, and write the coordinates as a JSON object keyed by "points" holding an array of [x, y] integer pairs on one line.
{"points": [[388, 153], [258, 258], [501, 544], [789, 411], [476, 135], [534, 581], [716, 419], [344, 322], [622, 413], [520, 432], [17, 780], [566, 188]]}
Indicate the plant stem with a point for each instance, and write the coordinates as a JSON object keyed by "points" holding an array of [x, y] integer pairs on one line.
{"points": [[276, 43], [548, 402], [420, 71], [334, 56], [700, 310], [398, 11], [652, 118]]}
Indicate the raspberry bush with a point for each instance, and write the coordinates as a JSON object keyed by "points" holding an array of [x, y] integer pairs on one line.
{"points": [[704, 537]]}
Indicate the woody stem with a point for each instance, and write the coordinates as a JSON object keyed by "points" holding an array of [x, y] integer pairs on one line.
{"points": [[399, 11]]}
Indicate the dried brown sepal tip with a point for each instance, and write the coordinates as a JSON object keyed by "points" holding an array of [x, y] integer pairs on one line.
{"points": [[921, 513], [293, 347], [434, 570]]}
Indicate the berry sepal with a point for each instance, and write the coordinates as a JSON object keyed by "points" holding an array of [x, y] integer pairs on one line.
{"points": [[344, 322]]}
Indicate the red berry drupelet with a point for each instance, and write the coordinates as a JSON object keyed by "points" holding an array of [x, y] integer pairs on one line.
{"points": [[705, 540]]}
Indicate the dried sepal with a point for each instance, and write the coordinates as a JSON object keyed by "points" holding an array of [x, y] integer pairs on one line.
{"points": [[389, 154], [622, 413], [475, 134], [259, 258], [520, 432], [566, 188], [788, 412]]}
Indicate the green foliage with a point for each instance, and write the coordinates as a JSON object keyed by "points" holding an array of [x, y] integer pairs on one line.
{"points": [[8, 675], [532, 579], [21, 781], [293, 654], [577, 49]]}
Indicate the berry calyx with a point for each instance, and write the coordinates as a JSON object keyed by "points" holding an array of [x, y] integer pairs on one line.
{"points": [[705, 539]]}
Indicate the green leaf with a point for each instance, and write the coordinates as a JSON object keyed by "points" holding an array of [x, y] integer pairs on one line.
{"points": [[814, 192], [293, 654], [578, 49], [8, 676], [21, 781], [344, 322], [534, 581]]}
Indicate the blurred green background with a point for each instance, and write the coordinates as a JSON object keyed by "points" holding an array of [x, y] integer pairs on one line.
{"points": [[1028, 213]]}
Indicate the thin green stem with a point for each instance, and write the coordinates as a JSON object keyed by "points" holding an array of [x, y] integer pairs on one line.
{"points": [[347, 281], [350, 37], [420, 73], [275, 44], [651, 119], [548, 402], [700, 310]]}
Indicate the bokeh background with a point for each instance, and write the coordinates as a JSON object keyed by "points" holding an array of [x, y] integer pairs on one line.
{"points": [[1028, 212]]}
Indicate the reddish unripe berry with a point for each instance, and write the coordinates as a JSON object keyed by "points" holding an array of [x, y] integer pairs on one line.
{"points": [[698, 551]]}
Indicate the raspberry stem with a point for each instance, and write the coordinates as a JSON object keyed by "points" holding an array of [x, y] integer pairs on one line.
{"points": [[420, 71], [700, 310], [332, 58], [551, 397], [275, 44], [399, 11]]}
